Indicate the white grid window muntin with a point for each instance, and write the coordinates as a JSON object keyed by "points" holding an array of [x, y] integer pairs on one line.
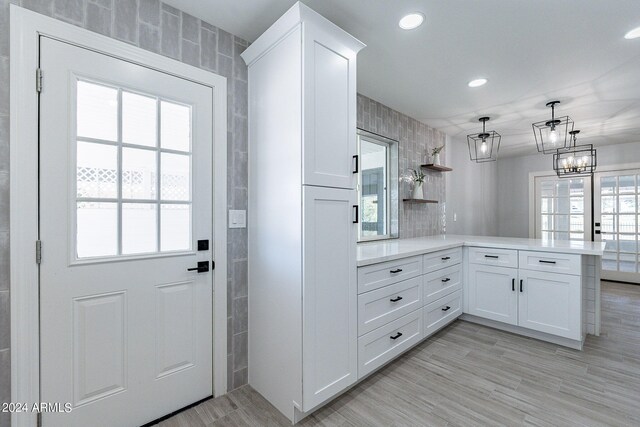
{"points": [[562, 209], [121, 207], [620, 222]]}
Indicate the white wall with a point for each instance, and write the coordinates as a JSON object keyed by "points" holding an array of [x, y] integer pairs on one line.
{"points": [[471, 193], [513, 184]]}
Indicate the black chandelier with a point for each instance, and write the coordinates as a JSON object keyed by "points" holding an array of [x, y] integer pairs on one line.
{"points": [[484, 146], [577, 160], [551, 135]]}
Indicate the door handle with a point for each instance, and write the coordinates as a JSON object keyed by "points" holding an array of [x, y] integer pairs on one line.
{"points": [[513, 284], [521, 284], [203, 267], [396, 299], [447, 308], [396, 336], [355, 158], [355, 207]]}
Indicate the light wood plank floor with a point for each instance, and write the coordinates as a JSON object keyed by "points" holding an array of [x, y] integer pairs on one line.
{"points": [[470, 375]]}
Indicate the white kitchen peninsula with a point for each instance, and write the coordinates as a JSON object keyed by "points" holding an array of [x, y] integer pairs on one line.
{"points": [[548, 290]]}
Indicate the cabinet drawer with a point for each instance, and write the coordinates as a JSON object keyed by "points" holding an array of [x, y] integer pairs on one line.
{"points": [[497, 257], [379, 307], [440, 283], [375, 276], [439, 313], [437, 260], [550, 261], [380, 346]]}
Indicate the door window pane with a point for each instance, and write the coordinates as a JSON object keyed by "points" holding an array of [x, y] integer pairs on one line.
{"points": [[96, 170], [97, 229], [608, 185], [97, 111], [562, 208], [175, 126], [175, 183], [139, 119], [175, 228], [139, 174], [608, 204], [627, 203], [627, 184], [139, 231]]}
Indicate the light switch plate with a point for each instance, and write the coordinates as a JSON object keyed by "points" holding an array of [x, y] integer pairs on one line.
{"points": [[237, 219]]}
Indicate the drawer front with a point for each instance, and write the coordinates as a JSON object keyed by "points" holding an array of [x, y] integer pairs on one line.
{"points": [[441, 283], [552, 262], [375, 276], [497, 257], [438, 260], [379, 307], [439, 313], [385, 343]]}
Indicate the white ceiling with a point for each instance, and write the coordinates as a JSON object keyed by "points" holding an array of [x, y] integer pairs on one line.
{"points": [[531, 52]]}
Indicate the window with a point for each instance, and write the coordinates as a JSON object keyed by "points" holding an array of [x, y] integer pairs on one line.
{"points": [[377, 187], [125, 141]]}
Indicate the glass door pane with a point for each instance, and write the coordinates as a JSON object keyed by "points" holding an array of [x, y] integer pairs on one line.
{"points": [[616, 208], [561, 206]]}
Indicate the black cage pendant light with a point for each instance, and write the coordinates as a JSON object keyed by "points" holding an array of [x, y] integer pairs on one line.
{"points": [[553, 134], [484, 146], [577, 160]]}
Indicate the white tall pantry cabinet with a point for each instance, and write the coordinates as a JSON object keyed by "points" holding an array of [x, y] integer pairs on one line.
{"points": [[302, 211]]}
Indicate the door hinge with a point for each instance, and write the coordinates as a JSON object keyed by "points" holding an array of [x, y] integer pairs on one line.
{"points": [[38, 251], [38, 79]]}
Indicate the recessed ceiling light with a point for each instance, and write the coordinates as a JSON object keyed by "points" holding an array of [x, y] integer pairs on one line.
{"points": [[477, 82], [633, 34], [411, 21]]}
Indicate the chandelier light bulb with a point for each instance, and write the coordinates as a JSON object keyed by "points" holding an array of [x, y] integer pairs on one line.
{"points": [[553, 136], [483, 147]]}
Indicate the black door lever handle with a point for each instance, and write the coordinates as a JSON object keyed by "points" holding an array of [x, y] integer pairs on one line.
{"points": [[203, 267]]}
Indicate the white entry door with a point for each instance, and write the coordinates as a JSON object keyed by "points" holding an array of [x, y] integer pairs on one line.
{"points": [[125, 196], [617, 222]]}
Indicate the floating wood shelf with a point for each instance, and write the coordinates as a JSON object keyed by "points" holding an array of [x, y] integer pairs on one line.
{"points": [[438, 168], [419, 201]]}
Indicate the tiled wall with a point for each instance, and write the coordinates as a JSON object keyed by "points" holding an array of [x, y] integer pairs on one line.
{"points": [[416, 139], [159, 28]]}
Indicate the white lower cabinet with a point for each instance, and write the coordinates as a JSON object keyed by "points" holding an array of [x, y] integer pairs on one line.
{"points": [[492, 293], [385, 343], [439, 313], [551, 303]]}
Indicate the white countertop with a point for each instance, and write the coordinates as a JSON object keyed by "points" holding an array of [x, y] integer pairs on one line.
{"points": [[387, 250]]}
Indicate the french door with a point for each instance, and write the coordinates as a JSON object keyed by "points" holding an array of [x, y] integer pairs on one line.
{"points": [[125, 194], [617, 222], [562, 208]]}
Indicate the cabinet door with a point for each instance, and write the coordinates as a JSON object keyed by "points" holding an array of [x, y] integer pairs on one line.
{"points": [[493, 293], [551, 303], [330, 321], [329, 110]]}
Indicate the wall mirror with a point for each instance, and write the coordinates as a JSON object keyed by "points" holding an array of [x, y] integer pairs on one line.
{"points": [[377, 187]]}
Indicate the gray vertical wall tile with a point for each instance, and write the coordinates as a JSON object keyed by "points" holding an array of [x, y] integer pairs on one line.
{"points": [[149, 12], [160, 28], [170, 35], [126, 21], [98, 19], [70, 10]]}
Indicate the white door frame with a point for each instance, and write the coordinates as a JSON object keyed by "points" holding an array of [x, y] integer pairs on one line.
{"points": [[25, 28]]}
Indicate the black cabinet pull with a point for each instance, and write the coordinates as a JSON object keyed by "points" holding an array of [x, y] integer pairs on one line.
{"points": [[446, 258], [546, 262], [492, 256], [397, 270], [355, 221], [356, 162], [513, 284], [396, 299], [203, 267], [447, 308], [521, 284], [396, 336], [446, 280]]}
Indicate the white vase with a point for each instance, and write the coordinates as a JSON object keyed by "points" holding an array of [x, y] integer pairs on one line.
{"points": [[417, 191], [436, 159]]}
